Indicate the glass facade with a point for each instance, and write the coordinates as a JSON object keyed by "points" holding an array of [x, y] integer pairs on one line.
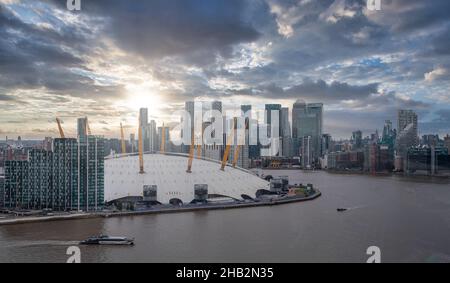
{"points": [[15, 183], [307, 121], [65, 172], [71, 177], [89, 192]]}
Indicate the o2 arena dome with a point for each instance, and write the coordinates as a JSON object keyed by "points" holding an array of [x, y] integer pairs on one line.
{"points": [[165, 179]]}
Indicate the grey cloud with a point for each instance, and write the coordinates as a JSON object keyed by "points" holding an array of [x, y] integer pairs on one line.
{"points": [[314, 90], [195, 29], [4, 97]]}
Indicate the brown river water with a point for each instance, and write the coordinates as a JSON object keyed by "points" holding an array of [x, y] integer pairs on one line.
{"points": [[408, 219]]}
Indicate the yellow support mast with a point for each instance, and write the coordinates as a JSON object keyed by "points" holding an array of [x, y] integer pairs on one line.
{"points": [[124, 147], [228, 147], [191, 154], [61, 132]]}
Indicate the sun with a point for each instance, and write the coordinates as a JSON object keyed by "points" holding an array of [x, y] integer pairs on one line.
{"points": [[143, 96]]}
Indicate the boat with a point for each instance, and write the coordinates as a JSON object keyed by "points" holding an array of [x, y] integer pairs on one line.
{"points": [[107, 240], [342, 209]]}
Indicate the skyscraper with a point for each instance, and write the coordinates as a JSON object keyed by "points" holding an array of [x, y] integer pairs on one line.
{"points": [[65, 174], [286, 135], [327, 143], [90, 185], [357, 140], [274, 127], [143, 123], [82, 128], [152, 136], [268, 118], [307, 120], [407, 131], [246, 109]]}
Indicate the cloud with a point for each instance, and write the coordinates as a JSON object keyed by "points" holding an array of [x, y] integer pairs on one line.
{"points": [[98, 61], [436, 74], [340, 9], [160, 28], [4, 97], [314, 90]]}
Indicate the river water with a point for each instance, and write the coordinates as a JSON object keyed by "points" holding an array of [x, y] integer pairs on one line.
{"points": [[408, 219]]}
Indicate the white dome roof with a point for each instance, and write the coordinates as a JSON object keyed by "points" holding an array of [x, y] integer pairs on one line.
{"points": [[168, 173]]}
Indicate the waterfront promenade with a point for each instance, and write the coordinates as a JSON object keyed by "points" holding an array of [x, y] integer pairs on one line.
{"points": [[161, 209]]}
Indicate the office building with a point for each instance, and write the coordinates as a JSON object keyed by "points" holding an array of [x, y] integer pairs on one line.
{"points": [[70, 177], [307, 157], [152, 136], [143, 124], [427, 160], [89, 192], [133, 143], [357, 140], [15, 187], [164, 145], [64, 174], [82, 128], [273, 128], [307, 121], [447, 142], [430, 140], [38, 190], [327, 144], [286, 135], [247, 111], [407, 131]]}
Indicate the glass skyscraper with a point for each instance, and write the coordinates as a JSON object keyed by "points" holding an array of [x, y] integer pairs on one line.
{"points": [[307, 121]]}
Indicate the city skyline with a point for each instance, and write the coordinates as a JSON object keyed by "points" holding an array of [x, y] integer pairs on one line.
{"points": [[257, 52], [150, 128]]}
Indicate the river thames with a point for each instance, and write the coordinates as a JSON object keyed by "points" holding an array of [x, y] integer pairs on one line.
{"points": [[408, 219]]}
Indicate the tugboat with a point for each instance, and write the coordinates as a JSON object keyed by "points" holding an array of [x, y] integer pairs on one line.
{"points": [[107, 240]]}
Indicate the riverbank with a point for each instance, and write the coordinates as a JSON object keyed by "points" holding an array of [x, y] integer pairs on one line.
{"points": [[420, 178], [160, 210]]}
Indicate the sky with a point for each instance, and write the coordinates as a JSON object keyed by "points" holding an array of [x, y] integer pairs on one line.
{"points": [[115, 56]]}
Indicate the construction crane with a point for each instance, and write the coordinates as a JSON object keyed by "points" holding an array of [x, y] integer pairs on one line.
{"points": [[238, 146], [141, 151], [228, 147], [61, 132], [124, 148]]}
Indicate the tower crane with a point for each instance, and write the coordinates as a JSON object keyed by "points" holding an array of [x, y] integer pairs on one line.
{"points": [[61, 132]]}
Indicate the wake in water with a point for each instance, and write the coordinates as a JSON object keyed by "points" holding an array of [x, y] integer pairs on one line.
{"points": [[356, 207], [25, 244], [346, 209]]}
